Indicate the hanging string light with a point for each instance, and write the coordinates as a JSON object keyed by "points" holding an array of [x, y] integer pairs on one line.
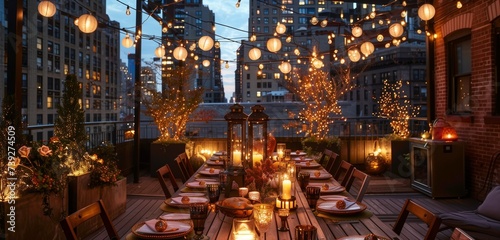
{"points": [[160, 51], [314, 20], [205, 43], [426, 11], [285, 67], [127, 12], [87, 23], [238, 4], [273, 44], [459, 4], [180, 53], [254, 54], [127, 42], [280, 28], [227, 64], [47, 8]]}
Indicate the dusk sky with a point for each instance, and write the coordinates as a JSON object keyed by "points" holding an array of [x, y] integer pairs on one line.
{"points": [[225, 14]]}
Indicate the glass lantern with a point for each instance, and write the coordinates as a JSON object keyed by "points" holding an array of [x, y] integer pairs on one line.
{"points": [[257, 135], [236, 135]]}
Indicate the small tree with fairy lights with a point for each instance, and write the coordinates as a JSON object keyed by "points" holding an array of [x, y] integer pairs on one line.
{"points": [[172, 107], [320, 92], [395, 106]]}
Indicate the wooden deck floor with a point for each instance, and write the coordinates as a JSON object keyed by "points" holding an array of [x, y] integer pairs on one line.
{"points": [[385, 198]]}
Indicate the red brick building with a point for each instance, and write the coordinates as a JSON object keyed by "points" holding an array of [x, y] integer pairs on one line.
{"points": [[464, 55]]}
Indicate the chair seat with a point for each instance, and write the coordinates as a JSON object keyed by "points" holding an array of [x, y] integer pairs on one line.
{"points": [[476, 225]]}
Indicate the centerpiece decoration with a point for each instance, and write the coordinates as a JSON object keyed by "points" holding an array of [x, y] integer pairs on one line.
{"points": [[262, 177], [236, 148], [257, 135]]}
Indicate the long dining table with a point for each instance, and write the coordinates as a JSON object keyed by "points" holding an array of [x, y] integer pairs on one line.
{"points": [[219, 226]]}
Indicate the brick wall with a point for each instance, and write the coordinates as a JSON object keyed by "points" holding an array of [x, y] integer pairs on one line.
{"points": [[481, 130]]}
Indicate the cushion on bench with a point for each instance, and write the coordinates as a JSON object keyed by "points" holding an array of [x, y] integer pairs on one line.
{"points": [[473, 223]]}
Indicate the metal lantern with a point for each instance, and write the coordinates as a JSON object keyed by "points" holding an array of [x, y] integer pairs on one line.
{"points": [[236, 135], [257, 134]]}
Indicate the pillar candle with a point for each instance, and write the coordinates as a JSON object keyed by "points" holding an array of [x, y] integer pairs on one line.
{"points": [[236, 158], [257, 157], [287, 189]]}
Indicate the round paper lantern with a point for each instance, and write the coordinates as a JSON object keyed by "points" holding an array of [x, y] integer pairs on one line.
{"points": [[357, 31], [274, 44], [426, 11], [367, 48], [254, 54], [160, 51], [285, 67], [206, 63], [47, 8], [380, 37], [127, 42], [354, 55], [314, 20], [87, 23], [180, 53], [396, 30], [205, 43], [280, 28]]}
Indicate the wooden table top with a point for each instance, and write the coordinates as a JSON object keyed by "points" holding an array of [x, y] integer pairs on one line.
{"points": [[218, 226]]}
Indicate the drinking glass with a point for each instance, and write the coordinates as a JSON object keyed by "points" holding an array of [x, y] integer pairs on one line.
{"points": [[199, 213], [304, 178], [263, 215], [305, 232], [213, 192], [312, 196], [243, 191]]}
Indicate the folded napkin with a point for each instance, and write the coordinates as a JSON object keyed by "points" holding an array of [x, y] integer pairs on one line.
{"points": [[331, 205], [173, 227], [189, 194], [178, 200], [176, 216]]}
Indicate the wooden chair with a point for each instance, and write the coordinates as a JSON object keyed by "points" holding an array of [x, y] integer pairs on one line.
{"points": [[187, 163], [459, 234], [95, 209], [343, 173], [333, 163], [361, 180], [325, 157], [161, 172], [184, 173], [432, 220]]}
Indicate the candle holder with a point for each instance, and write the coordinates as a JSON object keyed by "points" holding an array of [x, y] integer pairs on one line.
{"points": [[290, 204], [283, 214], [254, 196]]}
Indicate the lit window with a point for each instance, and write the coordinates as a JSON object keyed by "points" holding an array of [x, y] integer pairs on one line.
{"points": [[258, 94], [49, 102]]}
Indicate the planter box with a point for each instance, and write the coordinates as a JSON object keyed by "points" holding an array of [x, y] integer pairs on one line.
{"points": [[165, 153], [80, 195], [30, 223]]}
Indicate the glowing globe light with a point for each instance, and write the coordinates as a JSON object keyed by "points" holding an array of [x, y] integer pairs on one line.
{"points": [[87, 23], [396, 30], [160, 51], [317, 63], [206, 63], [285, 67], [367, 48], [280, 28], [273, 44], [205, 43], [180, 53], [47, 8], [426, 11], [127, 42], [357, 31], [254, 54], [354, 55]]}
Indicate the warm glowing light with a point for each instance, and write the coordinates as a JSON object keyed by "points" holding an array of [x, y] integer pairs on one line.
{"points": [[180, 53], [254, 54], [367, 48], [160, 51], [314, 20], [357, 31], [205, 43], [317, 63], [206, 63], [426, 11], [47, 8], [354, 55], [273, 44], [87, 23], [127, 42], [396, 30], [459, 4], [285, 67], [380, 37], [280, 28]]}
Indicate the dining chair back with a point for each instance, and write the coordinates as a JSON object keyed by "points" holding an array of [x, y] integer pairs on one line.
{"points": [[184, 173], [358, 181], [343, 173], [325, 157], [431, 219], [163, 172], [459, 234], [187, 163], [333, 163], [72, 221]]}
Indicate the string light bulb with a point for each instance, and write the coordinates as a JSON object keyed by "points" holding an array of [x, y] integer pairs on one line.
{"points": [[324, 23], [227, 65], [47, 8], [127, 12], [459, 4], [127, 42], [238, 4], [314, 20]]}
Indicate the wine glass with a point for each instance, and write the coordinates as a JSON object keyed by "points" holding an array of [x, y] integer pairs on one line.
{"points": [[243, 191], [198, 213], [263, 215]]}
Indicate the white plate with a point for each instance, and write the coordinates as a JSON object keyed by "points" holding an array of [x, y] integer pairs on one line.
{"points": [[148, 227], [176, 216], [331, 206], [321, 176], [214, 163], [332, 197], [312, 164], [196, 184], [297, 159], [331, 188], [211, 180], [295, 154], [178, 200]]}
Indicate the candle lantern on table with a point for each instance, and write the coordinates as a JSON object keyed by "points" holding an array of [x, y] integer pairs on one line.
{"points": [[243, 229], [257, 135], [236, 150], [280, 149], [286, 197]]}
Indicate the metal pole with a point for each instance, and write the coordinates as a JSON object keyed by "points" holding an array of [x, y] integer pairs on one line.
{"points": [[138, 86]]}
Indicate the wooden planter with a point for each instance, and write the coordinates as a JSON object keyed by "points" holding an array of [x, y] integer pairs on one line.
{"points": [[30, 222], [81, 195], [165, 153]]}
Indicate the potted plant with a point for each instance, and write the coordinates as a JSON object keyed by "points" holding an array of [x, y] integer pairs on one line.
{"points": [[171, 109]]}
